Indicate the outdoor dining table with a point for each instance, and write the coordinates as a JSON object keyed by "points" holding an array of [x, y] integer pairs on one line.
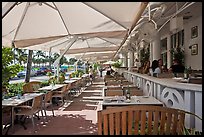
{"points": [[70, 81], [115, 86], [52, 87], [135, 100], [76, 78], [16, 101], [85, 75]]}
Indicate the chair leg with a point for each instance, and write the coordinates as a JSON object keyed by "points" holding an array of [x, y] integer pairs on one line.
{"points": [[45, 112], [33, 123], [23, 122], [45, 116], [52, 111], [37, 116]]}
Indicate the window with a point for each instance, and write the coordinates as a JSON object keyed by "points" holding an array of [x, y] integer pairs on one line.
{"points": [[177, 39]]}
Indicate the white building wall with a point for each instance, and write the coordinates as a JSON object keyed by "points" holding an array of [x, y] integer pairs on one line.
{"points": [[195, 61]]}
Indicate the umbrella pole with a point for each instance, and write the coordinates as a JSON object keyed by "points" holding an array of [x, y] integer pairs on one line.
{"points": [[57, 61]]}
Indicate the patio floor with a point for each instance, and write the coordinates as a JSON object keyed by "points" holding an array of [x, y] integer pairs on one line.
{"points": [[78, 117]]}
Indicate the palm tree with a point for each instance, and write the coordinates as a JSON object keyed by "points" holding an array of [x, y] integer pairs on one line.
{"points": [[47, 59], [29, 63], [34, 61], [39, 54], [72, 61], [20, 55]]}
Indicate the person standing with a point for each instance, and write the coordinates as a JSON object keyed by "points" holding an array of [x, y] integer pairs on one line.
{"points": [[91, 74], [101, 71]]}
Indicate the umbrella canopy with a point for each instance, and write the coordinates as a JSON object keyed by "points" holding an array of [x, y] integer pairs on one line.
{"points": [[50, 26]]}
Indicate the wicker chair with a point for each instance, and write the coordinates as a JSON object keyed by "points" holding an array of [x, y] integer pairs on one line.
{"points": [[31, 86], [61, 94], [31, 111], [114, 93], [47, 102]]}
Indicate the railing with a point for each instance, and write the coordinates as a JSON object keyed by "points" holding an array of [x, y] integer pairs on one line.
{"points": [[173, 94]]}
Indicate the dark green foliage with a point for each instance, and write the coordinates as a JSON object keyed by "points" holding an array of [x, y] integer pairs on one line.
{"points": [[9, 70], [144, 55], [117, 64], [15, 89], [77, 73], [44, 83], [178, 54]]}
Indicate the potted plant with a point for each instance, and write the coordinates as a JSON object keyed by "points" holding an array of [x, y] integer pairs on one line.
{"points": [[117, 64], [62, 78], [178, 53]]}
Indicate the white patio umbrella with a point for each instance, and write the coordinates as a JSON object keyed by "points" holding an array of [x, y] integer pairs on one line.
{"points": [[103, 25], [32, 23]]}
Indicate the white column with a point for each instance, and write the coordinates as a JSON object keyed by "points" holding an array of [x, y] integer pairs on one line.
{"points": [[135, 57], [151, 53], [123, 57], [130, 59], [120, 58], [169, 63], [156, 47]]}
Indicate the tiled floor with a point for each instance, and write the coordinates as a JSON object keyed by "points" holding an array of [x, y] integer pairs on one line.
{"points": [[79, 117]]}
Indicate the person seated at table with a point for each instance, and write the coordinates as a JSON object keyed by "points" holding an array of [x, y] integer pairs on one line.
{"points": [[177, 67], [155, 70], [164, 69], [161, 66], [146, 67]]}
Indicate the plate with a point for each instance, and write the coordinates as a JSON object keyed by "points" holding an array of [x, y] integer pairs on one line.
{"points": [[184, 80], [177, 78], [127, 101], [145, 96]]}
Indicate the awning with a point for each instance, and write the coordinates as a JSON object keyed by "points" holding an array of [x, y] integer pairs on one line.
{"points": [[50, 25]]}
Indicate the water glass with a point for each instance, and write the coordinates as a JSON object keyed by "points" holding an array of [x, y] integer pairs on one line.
{"points": [[19, 96]]}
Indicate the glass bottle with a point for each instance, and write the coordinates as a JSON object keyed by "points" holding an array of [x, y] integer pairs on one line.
{"points": [[186, 73], [128, 94], [189, 71]]}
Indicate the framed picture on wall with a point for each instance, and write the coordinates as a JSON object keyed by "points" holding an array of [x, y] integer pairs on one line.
{"points": [[194, 32], [194, 49]]}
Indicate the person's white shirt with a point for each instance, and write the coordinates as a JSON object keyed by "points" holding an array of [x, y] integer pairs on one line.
{"points": [[138, 64], [90, 71], [156, 71]]}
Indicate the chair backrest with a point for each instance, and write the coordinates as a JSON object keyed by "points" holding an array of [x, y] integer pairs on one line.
{"points": [[134, 91], [37, 102], [113, 83], [126, 83], [31, 86], [114, 88], [140, 119], [114, 92], [48, 97]]}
